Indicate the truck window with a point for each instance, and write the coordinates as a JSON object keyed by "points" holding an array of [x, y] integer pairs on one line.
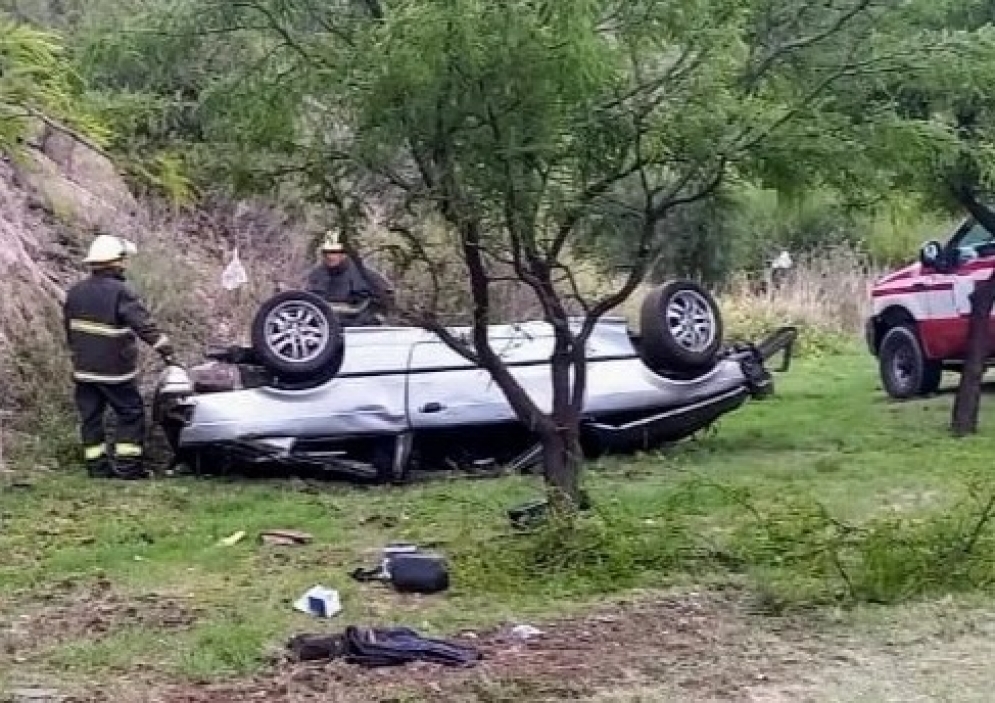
{"points": [[977, 241]]}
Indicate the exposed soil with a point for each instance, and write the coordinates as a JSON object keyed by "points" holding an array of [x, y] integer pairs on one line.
{"points": [[689, 647], [676, 638], [74, 613]]}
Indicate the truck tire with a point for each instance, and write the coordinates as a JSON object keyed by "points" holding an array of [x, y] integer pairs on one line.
{"points": [[298, 337], [681, 328], [905, 371]]}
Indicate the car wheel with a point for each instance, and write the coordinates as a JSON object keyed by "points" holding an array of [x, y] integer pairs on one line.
{"points": [[681, 327], [297, 335], [905, 370]]}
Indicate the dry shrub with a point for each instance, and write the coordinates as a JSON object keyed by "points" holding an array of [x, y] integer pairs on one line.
{"points": [[181, 259], [34, 383], [825, 294]]}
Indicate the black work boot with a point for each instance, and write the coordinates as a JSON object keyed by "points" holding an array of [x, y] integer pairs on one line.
{"points": [[178, 467], [130, 469], [99, 468]]}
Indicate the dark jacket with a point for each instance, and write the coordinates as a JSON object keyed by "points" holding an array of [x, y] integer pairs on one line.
{"points": [[104, 319], [359, 300]]}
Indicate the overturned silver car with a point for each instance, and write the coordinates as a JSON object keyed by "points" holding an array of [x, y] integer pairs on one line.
{"points": [[379, 402]]}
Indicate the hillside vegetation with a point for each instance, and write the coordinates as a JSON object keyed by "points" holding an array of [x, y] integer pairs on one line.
{"points": [[109, 128]]}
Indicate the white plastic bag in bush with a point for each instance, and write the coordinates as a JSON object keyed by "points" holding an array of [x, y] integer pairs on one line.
{"points": [[234, 274]]}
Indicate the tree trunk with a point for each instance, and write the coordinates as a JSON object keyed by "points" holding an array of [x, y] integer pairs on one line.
{"points": [[964, 419], [561, 457]]}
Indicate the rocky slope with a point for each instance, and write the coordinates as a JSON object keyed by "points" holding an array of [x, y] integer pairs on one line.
{"points": [[53, 194]]}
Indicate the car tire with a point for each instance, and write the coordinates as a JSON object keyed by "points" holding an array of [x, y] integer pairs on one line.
{"points": [[297, 336], [905, 371], [681, 328]]}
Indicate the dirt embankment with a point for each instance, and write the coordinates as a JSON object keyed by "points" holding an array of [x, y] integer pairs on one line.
{"points": [[54, 194]]}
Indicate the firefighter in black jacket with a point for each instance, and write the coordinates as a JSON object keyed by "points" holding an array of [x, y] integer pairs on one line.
{"points": [[103, 319], [361, 297]]}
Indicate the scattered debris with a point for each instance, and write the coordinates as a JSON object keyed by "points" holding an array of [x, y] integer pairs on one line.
{"points": [[371, 647], [284, 538], [528, 515], [525, 632], [393, 548], [320, 601], [385, 521], [232, 539], [234, 275]]}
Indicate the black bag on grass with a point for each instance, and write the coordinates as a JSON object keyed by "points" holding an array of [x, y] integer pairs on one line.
{"points": [[412, 572]]}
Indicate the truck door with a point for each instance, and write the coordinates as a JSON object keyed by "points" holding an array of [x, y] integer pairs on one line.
{"points": [[973, 250]]}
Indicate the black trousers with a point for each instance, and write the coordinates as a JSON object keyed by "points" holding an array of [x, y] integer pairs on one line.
{"points": [[125, 400]]}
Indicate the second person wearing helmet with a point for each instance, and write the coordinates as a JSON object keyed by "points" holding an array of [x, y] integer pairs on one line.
{"points": [[360, 296]]}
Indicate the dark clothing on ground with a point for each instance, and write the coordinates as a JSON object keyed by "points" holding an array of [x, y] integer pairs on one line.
{"points": [[377, 647], [104, 318], [358, 300]]}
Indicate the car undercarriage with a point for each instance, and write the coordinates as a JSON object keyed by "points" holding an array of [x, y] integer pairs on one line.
{"points": [[396, 401]]}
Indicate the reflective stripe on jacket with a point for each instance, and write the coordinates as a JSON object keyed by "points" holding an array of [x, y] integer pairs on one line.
{"points": [[104, 318]]}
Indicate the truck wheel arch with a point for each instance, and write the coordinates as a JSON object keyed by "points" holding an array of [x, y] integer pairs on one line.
{"points": [[890, 317]]}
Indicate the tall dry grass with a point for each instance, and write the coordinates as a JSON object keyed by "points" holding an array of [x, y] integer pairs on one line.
{"points": [[826, 294]]}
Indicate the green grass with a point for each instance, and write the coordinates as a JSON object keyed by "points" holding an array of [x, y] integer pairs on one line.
{"points": [[829, 434]]}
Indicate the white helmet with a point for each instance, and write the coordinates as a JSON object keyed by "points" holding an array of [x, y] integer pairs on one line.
{"points": [[332, 243], [107, 248]]}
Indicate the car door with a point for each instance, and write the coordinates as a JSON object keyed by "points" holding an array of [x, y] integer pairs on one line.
{"points": [[971, 256], [447, 390]]}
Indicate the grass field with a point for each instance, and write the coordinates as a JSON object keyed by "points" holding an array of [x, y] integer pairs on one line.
{"points": [[712, 562]]}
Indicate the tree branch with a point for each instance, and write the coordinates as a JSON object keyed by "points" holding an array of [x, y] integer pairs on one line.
{"points": [[765, 65], [674, 71], [653, 215], [421, 255], [277, 27], [68, 131], [329, 28], [583, 204], [428, 321]]}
